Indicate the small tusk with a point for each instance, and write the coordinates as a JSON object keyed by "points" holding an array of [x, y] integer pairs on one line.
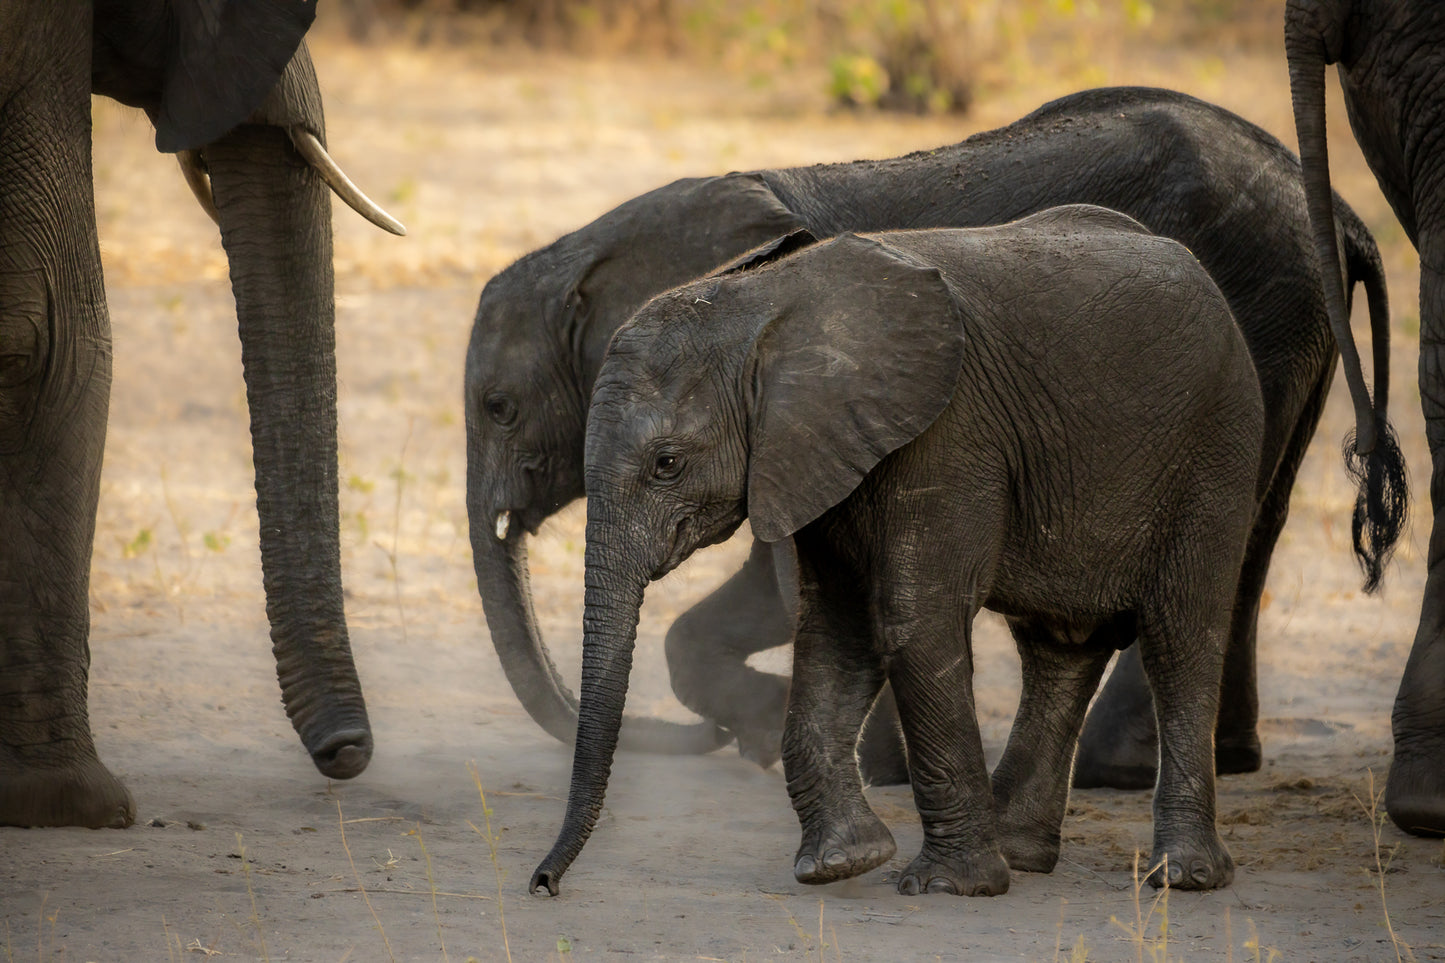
{"points": [[194, 172], [311, 149], [504, 524]]}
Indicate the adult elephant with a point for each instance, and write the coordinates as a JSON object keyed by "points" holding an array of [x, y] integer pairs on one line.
{"points": [[230, 86], [1391, 57], [1185, 169]]}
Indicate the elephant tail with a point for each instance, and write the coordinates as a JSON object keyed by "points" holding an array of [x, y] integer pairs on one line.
{"points": [[1383, 501]]}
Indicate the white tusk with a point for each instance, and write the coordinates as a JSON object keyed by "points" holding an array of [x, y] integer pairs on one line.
{"points": [[200, 184], [504, 524], [311, 149]]}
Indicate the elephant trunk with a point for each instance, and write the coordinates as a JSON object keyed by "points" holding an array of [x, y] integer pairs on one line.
{"points": [[502, 580], [1307, 54], [612, 603], [499, 556], [275, 223]]}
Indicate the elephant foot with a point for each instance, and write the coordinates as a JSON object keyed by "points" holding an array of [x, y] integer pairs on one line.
{"points": [[1029, 852], [1415, 793], [86, 794], [845, 849], [1202, 862], [1237, 754], [762, 746], [977, 874]]}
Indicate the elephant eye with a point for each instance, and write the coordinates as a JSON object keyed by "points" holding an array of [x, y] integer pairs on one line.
{"points": [[501, 409], [666, 465]]}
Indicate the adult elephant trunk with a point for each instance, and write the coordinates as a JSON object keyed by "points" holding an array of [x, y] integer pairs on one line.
{"points": [[612, 603], [1306, 47], [504, 584], [275, 219]]}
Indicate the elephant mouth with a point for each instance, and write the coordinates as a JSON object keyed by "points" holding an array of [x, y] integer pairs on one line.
{"points": [[510, 524], [678, 549]]}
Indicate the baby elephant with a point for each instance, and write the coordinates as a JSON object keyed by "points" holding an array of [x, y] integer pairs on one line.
{"points": [[1057, 419]]}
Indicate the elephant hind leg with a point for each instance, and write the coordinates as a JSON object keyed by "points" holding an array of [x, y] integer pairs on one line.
{"points": [[1119, 747], [1031, 781], [82, 793]]}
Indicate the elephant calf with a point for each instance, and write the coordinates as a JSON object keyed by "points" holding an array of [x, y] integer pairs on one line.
{"points": [[1057, 419]]}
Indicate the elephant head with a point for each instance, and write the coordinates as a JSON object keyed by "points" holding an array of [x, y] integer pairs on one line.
{"points": [[769, 393], [230, 84], [541, 329]]}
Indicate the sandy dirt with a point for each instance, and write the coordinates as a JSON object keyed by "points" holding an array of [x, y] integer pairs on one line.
{"points": [[242, 849]]}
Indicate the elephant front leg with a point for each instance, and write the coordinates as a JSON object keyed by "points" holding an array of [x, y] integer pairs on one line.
{"points": [[55, 369], [933, 679], [836, 678], [1415, 791]]}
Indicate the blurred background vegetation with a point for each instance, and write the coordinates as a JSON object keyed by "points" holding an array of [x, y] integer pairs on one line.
{"points": [[923, 56]]}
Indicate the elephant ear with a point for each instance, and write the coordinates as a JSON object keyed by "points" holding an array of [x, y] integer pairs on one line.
{"points": [[224, 58], [862, 355]]}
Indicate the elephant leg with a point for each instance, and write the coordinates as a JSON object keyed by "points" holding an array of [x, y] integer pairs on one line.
{"points": [[707, 651], [1236, 733], [1182, 636], [934, 684], [55, 370], [1031, 781], [837, 675], [1415, 791], [1119, 748]]}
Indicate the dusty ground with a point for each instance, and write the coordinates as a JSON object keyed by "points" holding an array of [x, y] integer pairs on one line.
{"points": [[240, 850]]}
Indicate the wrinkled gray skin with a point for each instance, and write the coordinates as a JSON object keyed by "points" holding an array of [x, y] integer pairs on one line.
{"points": [[1391, 62], [1056, 419], [217, 92], [1185, 169]]}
